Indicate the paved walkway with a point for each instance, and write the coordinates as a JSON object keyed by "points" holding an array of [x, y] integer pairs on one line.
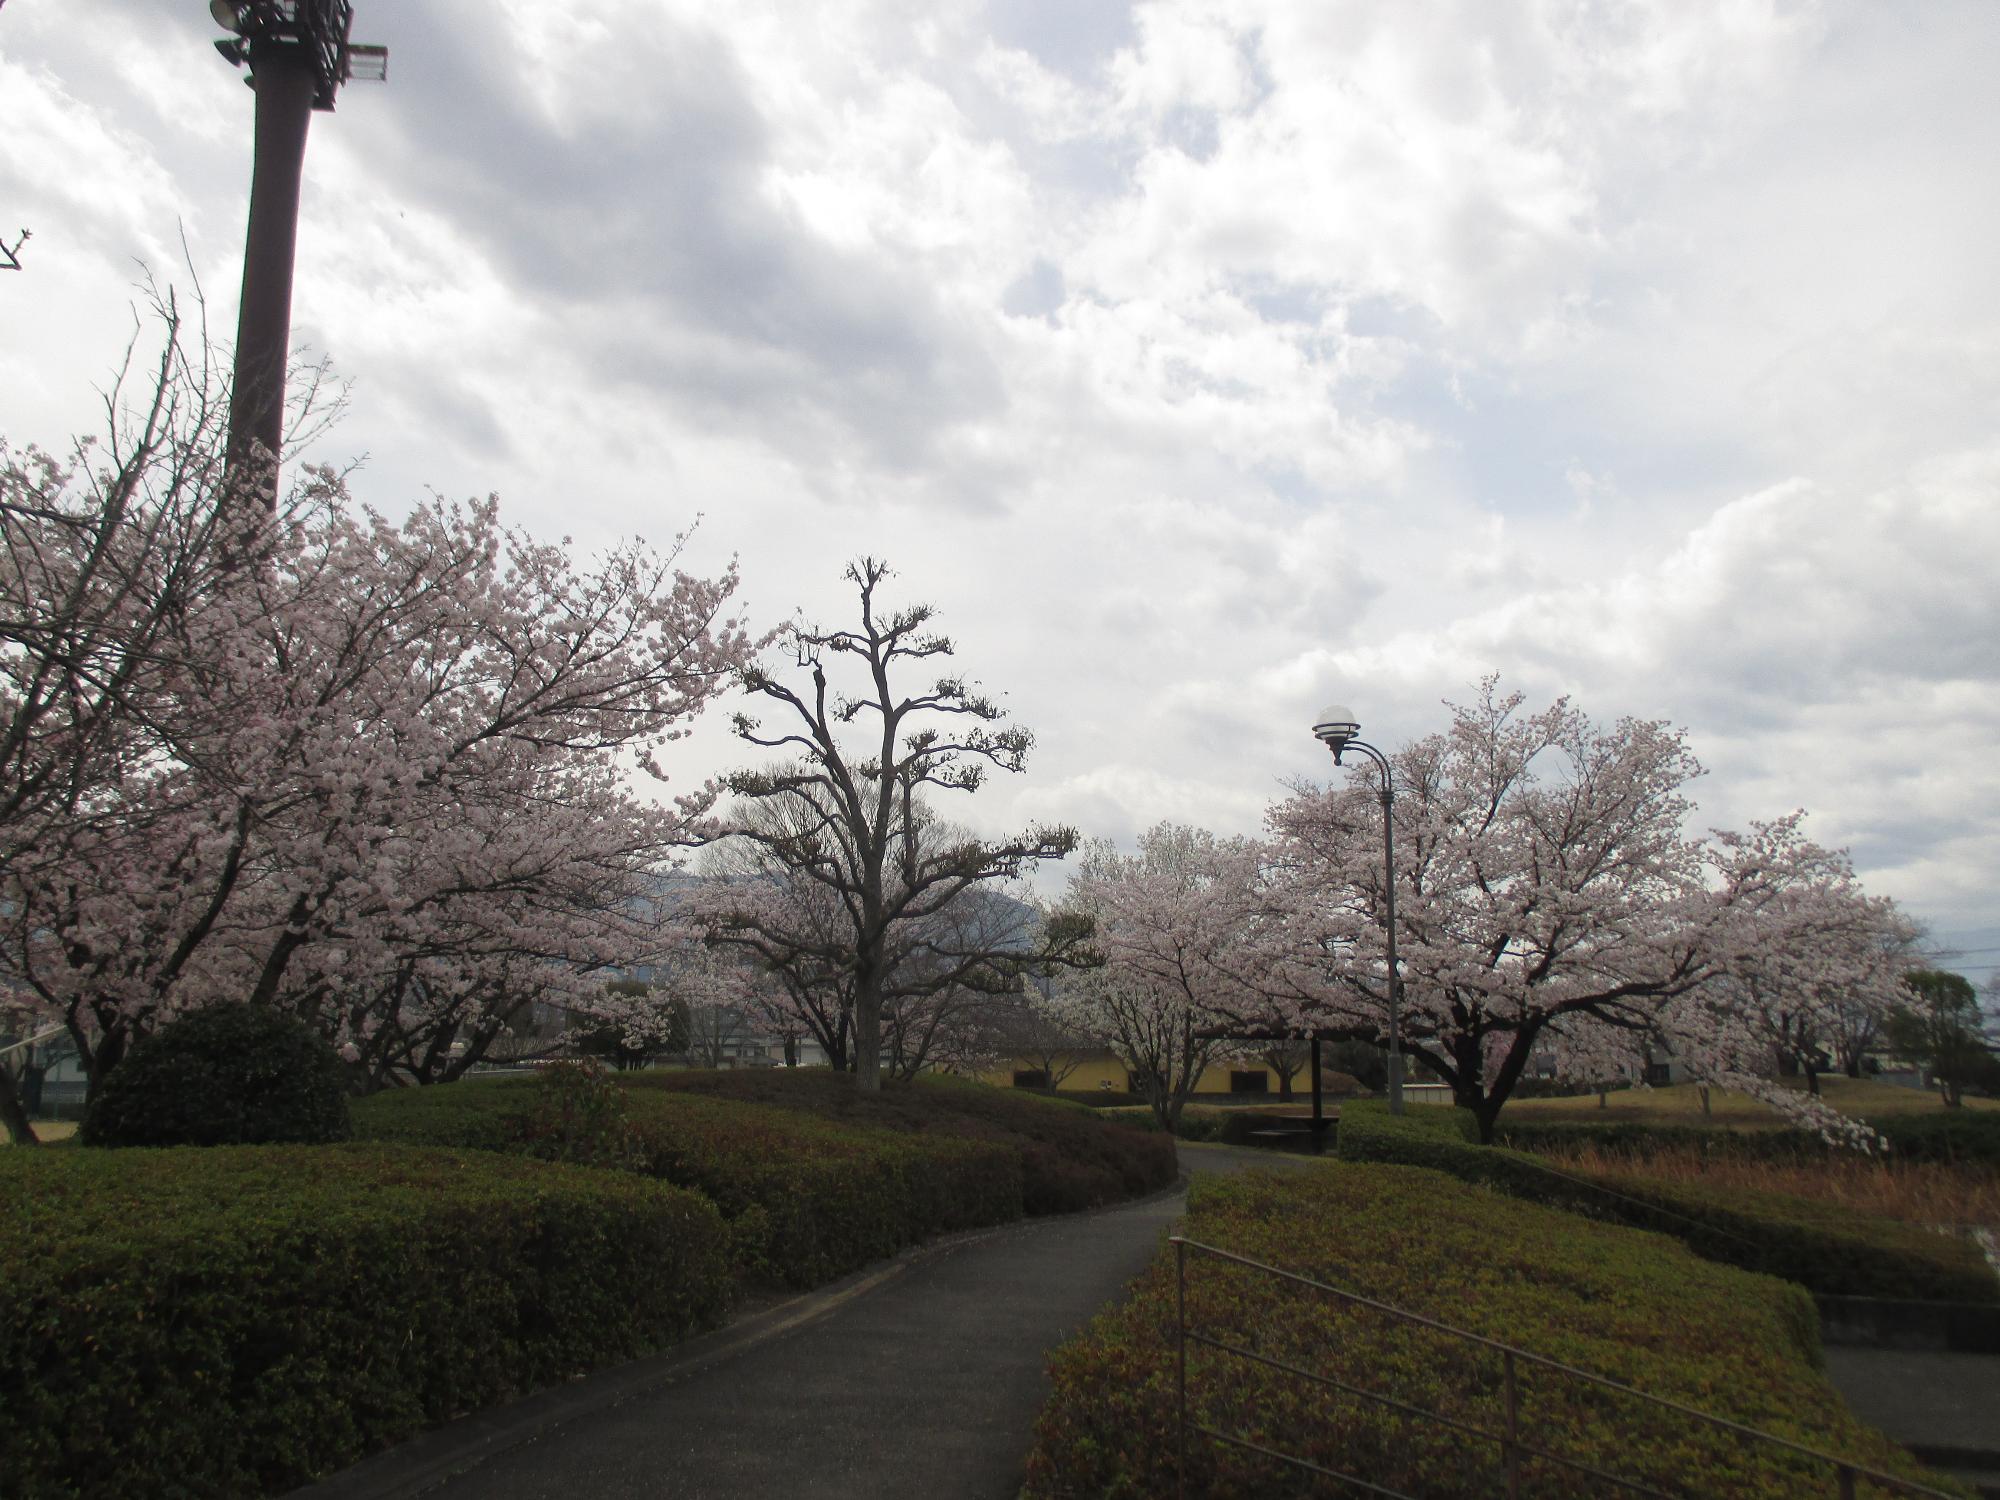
{"points": [[920, 1379], [1944, 1407]]}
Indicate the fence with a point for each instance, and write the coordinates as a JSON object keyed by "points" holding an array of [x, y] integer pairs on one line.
{"points": [[1513, 1444]]}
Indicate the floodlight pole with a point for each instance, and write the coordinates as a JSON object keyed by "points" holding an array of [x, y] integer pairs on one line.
{"points": [[1337, 730], [286, 80], [298, 55]]}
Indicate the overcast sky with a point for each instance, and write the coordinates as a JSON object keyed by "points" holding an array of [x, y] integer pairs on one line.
{"points": [[1201, 361]]}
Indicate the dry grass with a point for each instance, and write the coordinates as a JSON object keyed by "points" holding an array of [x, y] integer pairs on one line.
{"points": [[46, 1131], [1927, 1193], [1680, 1104]]}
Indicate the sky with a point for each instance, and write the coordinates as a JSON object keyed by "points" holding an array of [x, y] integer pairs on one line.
{"points": [[1202, 362]]}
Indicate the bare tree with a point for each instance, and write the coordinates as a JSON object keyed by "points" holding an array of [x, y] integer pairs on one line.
{"points": [[852, 818]]}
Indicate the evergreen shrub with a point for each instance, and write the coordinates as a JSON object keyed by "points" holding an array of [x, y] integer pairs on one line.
{"points": [[228, 1075], [241, 1319], [809, 1198]]}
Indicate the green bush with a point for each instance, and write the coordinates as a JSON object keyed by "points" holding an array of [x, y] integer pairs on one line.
{"points": [[238, 1320], [1071, 1158], [230, 1075], [1960, 1137], [808, 1198], [827, 1198], [1636, 1139], [1826, 1249], [1635, 1308], [1963, 1137], [579, 1115], [1197, 1122]]}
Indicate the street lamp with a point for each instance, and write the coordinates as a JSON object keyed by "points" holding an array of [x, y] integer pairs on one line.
{"points": [[1337, 728], [298, 56]]}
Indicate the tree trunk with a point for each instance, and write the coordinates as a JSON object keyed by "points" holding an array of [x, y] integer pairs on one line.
{"points": [[1487, 1116], [867, 1039], [13, 1116]]}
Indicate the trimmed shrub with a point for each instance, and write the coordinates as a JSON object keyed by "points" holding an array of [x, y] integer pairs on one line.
{"points": [[1956, 1137], [1824, 1248], [1636, 1308], [229, 1075], [808, 1198], [1961, 1137], [1198, 1122], [1636, 1140], [239, 1320], [484, 1114], [1070, 1157]]}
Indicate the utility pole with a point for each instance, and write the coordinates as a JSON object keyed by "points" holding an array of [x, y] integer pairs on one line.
{"points": [[298, 55]]}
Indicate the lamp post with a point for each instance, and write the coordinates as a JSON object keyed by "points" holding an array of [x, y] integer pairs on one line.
{"points": [[298, 56], [1337, 728]]}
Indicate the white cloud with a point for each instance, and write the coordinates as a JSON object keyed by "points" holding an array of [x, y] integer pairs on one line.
{"points": [[1203, 361]]}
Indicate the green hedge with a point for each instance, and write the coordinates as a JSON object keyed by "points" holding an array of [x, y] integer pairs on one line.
{"points": [[809, 1199], [1965, 1137], [1636, 1308], [1826, 1249], [237, 1320], [1070, 1156], [1198, 1122], [1960, 1137], [816, 1199], [1631, 1138]]}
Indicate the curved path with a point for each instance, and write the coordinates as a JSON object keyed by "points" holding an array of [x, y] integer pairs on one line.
{"points": [[920, 1378]]}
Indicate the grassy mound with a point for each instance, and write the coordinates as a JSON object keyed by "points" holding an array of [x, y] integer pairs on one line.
{"points": [[1825, 1248], [1637, 1308], [238, 1319]]}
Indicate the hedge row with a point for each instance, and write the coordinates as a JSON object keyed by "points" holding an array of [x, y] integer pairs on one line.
{"points": [[237, 1320], [1635, 1308], [1826, 1249], [823, 1180], [1959, 1137], [1070, 1156]]}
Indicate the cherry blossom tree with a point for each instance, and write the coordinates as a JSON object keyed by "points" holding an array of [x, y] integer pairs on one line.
{"points": [[1548, 894], [1830, 966], [851, 869], [378, 773], [1176, 927], [1040, 1031]]}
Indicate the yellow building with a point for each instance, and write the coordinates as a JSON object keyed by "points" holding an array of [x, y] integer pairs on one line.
{"points": [[1102, 1072]]}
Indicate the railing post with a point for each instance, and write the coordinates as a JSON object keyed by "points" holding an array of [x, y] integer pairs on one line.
{"points": [[1846, 1482], [1180, 1368], [1509, 1450]]}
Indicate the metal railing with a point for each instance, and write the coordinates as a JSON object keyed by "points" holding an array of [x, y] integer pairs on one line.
{"points": [[1514, 1447]]}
